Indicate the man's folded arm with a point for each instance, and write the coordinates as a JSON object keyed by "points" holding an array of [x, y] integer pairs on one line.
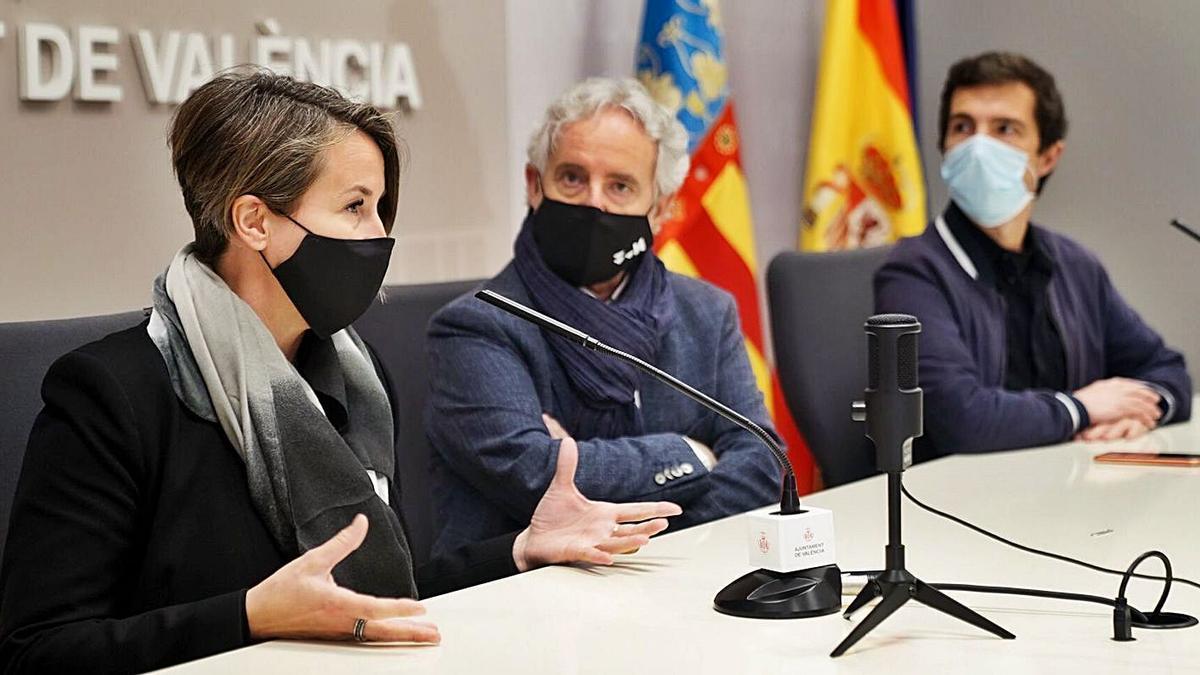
{"points": [[747, 475], [961, 413], [485, 419], [1134, 350]]}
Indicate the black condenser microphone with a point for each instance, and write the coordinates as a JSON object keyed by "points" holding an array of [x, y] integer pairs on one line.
{"points": [[893, 408], [789, 501], [893, 403]]}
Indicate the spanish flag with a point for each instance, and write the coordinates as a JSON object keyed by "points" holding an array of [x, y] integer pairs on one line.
{"points": [[710, 234], [864, 185]]}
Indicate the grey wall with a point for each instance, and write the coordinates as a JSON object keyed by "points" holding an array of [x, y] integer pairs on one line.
{"points": [[1130, 76], [109, 218], [89, 211]]}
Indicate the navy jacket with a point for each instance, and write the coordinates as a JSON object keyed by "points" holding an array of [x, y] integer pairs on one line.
{"points": [[493, 375], [133, 538], [962, 343]]}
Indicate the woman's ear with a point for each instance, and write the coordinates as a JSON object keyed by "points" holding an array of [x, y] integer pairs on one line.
{"points": [[249, 216]]}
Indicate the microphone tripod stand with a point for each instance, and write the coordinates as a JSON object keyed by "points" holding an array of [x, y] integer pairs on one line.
{"points": [[896, 585], [894, 411]]}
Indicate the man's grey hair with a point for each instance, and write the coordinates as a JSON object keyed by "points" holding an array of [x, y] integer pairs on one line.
{"points": [[589, 97]]}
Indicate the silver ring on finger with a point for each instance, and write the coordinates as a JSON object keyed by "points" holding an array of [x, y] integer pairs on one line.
{"points": [[360, 629]]}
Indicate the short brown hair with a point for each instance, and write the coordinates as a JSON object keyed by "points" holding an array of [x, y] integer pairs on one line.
{"points": [[249, 131], [1002, 68]]}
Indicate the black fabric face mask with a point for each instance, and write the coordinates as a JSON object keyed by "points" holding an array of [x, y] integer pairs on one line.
{"points": [[333, 281], [584, 245]]}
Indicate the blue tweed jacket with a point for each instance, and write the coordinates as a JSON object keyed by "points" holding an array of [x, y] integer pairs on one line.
{"points": [[493, 375]]}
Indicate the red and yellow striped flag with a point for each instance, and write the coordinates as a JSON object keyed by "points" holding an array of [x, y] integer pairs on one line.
{"points": [[711, 234], [864, 185]]}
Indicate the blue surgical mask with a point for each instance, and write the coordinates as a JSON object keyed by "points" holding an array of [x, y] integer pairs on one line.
{"points": [[986, 178]]}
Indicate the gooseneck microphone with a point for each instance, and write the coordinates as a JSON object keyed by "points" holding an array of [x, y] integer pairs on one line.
{"points": [[1185, 229], [795, 546], [789, 500]]}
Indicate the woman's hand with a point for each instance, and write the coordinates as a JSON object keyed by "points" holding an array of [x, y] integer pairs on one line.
{"points": [[568, 527], [303, 601]]}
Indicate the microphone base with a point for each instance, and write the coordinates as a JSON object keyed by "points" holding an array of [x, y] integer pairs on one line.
{"points": [[764, 594]]}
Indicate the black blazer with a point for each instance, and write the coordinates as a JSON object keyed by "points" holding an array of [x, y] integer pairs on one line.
{"points": [[133, 539]]}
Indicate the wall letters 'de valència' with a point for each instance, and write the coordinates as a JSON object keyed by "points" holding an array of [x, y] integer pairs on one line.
{"points": [[55, 63]]}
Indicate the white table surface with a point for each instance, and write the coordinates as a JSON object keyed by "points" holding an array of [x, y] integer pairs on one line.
{"points": [[652, 612]]}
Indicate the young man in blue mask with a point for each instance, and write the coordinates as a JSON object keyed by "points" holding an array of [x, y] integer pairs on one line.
{"points": [[1024, 341], [602, 168]]}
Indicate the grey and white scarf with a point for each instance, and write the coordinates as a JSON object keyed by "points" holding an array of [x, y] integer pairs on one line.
{"points": [[306, 480]]}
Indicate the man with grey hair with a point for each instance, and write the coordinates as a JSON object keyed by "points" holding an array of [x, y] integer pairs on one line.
{"points": [[603, 167]]}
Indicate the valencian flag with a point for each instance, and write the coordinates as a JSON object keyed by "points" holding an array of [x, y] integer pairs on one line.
{"points": [[710, 233], [864, 184]]}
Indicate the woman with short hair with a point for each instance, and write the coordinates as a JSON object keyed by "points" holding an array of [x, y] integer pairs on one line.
{"points": [[222, 473]]}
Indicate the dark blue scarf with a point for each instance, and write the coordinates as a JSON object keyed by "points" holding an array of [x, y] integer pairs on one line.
{"points": [[635, 324]]}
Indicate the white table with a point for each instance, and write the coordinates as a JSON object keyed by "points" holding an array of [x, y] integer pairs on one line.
{"points": [[652, 612]]}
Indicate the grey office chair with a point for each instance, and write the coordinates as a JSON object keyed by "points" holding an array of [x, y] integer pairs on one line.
{"points": [[26, 351], [819, 302], [395, 330]]}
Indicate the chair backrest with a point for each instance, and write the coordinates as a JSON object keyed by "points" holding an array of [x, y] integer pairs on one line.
{"points": [[27, 349], [819, 302], [396, 330]]}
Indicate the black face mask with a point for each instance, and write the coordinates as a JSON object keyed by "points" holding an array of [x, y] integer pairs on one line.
{"points": [[585, 245], [333, 281]]}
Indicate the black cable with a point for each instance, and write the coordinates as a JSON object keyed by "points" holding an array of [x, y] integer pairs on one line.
{"points": [[1162, 600], [1034, 592], [1016, 590], [1035, 551], [1125, 617]]}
